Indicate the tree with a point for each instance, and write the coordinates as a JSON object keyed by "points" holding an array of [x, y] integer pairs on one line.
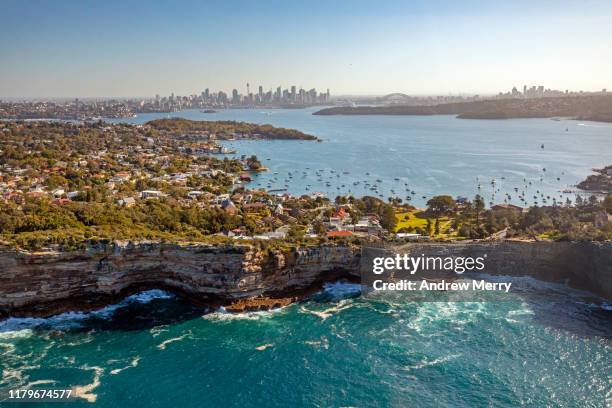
{"points": [[387, 217], [607, 203], [340, 200], [253, 163], [491, 225], [296, 232], [479, 206], [319, 228], [441, 204]]}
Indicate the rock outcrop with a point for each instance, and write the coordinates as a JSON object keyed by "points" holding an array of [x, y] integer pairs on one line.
{"points": [[52, 282]]}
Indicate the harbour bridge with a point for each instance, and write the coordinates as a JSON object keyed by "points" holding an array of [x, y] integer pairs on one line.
{"points": [[396, 98]]}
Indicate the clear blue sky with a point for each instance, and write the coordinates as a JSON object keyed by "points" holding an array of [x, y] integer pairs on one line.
{"points": [[140, 48]]}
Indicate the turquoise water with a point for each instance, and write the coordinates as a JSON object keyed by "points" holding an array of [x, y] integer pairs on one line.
{"points": [[426, 154], [549, 347]]}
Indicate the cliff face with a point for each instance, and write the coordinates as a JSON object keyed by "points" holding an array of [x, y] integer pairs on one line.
{"points": [[582, 265], [50, 283]]}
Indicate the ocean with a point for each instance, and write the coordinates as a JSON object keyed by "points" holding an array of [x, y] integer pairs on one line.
{"points": [[546, 346]]}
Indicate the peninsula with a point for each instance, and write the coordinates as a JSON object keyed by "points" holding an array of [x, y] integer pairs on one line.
{"points": [[226, 130], [600, 182], [596, 107]]}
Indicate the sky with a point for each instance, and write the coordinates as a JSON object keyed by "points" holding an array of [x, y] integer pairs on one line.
{"points": [[89, 48]]}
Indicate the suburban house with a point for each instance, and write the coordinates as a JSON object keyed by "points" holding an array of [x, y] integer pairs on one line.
{"points": [[146, 194]]}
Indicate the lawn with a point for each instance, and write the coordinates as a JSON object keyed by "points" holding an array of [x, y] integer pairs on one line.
{"points": [[417, 219]]}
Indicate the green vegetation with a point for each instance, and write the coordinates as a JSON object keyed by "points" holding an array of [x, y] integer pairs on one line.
{"points": [[587, 107], [373, 206], [421, 222], [227, 129], [39, 223], [586, 220], [601, 182], [253, 163], [63, 184]]}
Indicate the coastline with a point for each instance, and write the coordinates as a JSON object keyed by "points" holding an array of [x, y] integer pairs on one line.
{"points": [[243, 278]]}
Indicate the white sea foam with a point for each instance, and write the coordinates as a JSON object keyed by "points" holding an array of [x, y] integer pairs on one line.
{"points": [[521, 312], [133, 363], [81, 340], [164, 344], [9, 375], [6, 349], [71, 320], [222, 315], [436, 361], [458, 313], [16, 377], [149, 295], [85, 391], [8, 334], [326, 313], [322, 343], [157, 330], [39, 382], [342, 289]]}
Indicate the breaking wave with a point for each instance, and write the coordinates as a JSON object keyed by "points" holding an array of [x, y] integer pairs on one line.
{"points": [[338, 290], [222, 315], [19, 326]]}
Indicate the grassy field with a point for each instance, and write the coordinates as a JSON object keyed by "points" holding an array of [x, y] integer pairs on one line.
{"points": [[417, 219]]}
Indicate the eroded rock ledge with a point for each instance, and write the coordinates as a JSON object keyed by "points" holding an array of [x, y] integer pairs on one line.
{"points": [[48, 283], [43, 284]]}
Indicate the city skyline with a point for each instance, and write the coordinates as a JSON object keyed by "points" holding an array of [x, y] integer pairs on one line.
{"points": [[139, 49]]}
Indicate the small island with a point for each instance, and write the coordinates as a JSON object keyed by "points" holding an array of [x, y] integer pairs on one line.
{"points": [[596, 108]]}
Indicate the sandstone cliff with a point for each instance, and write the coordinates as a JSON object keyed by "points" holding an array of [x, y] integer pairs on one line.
{"points": [[52, 282], [48, 283]]}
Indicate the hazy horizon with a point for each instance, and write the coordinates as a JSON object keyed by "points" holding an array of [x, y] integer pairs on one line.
{"points": [[112, 49]]}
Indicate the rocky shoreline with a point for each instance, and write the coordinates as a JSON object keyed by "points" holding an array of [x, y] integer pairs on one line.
{"points": [[243, 278], [48, 283]]}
